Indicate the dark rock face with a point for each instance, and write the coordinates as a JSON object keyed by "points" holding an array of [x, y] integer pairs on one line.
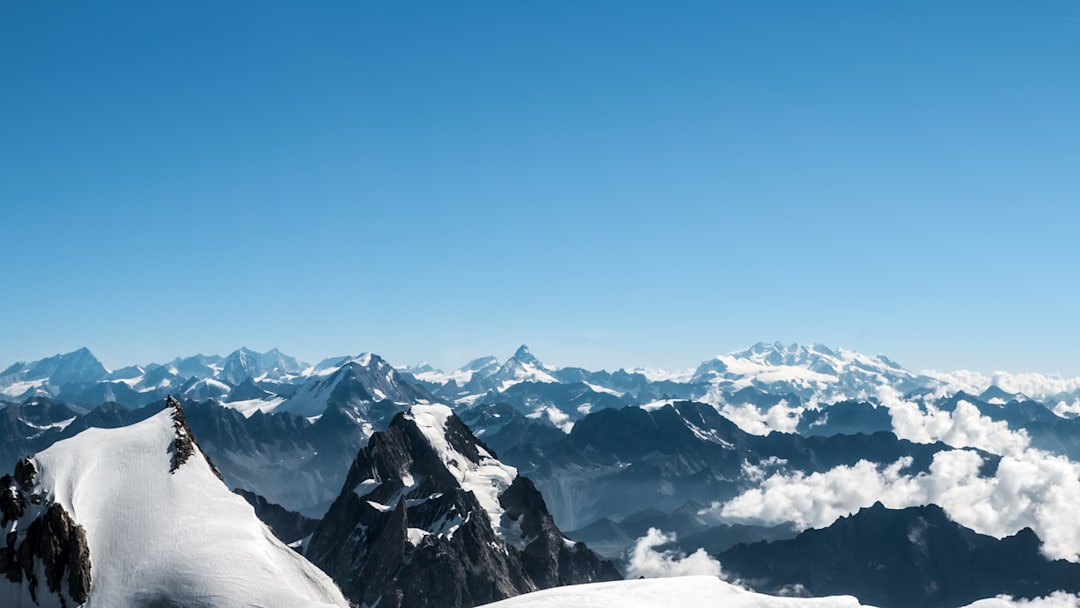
{"points": [[183, 446], [40, 537], [846, 417], [548, 558], [405, 534], [289, 526], [901, 558]]}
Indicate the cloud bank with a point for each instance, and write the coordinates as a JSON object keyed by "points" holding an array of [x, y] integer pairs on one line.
{"points": [[1030, 489], [647, 561], [965, 427], [1038, 386]]}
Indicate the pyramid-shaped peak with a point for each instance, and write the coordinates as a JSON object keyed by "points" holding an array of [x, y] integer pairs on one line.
{"points": [[524, 355]]}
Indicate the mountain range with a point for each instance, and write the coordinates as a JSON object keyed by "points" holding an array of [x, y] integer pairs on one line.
{"points": [[510, 477], [266, 381]]}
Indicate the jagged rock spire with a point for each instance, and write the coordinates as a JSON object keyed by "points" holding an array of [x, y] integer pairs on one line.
{"points": [[183, 446]]}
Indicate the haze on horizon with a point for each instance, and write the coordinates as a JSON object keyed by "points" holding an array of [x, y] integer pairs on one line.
{"points": [[614, 184]]}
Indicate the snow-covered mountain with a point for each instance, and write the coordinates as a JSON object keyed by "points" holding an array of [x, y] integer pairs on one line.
{"points": [[481, 367], [522, 367], [24, 379], [353, 386], [813, 375], [271, 365], [484, 375], [137, 516], [809, 372], [429, 517]]}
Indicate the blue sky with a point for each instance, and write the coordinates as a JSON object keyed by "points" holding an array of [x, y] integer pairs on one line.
{"points": [[613, 183]]}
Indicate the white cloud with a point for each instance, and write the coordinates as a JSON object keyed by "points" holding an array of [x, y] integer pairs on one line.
{"points": [[780, 417], [962, 428], [1034, 385], [1067, 410], [560, 419], [647, 561], [818, 499], [1030, 489]]}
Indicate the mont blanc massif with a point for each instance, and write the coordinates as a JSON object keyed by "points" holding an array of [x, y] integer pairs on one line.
{"points": [[778, 476]]}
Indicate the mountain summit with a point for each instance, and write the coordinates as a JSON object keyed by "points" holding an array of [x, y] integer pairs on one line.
{"points": [[137, 516], [429, 517]]}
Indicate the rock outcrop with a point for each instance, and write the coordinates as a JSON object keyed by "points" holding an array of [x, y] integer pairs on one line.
{"points": [[41, 541]]}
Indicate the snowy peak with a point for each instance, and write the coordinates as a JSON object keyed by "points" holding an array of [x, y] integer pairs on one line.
{"points": [[484, 366], [472, 372], [245, 363], [429, 517], [469, 462], [806, 371], [206, 388], [248, 391], [522, 367], [198, 366], [124, 514], [525, 357], [364, 379], [78, 366], [420, 368]]}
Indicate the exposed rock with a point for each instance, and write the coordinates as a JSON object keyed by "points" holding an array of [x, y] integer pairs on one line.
{"points": [[12, 500], [25, 473], [183, 447], [42, 539], [405, 533]]}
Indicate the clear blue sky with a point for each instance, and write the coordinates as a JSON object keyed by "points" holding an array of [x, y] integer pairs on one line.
{"points": [[614, 183]]}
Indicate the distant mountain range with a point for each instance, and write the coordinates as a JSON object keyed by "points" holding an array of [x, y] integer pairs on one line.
{"points": [[273, 381]]}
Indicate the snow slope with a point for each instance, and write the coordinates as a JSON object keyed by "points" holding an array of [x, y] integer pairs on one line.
{"points": [[711, 592], [170, 539], [486, 479], [683, 592]]}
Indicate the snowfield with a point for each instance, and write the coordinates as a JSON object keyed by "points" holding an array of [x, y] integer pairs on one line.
{"points": [[711, 592], [679, 592]]}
